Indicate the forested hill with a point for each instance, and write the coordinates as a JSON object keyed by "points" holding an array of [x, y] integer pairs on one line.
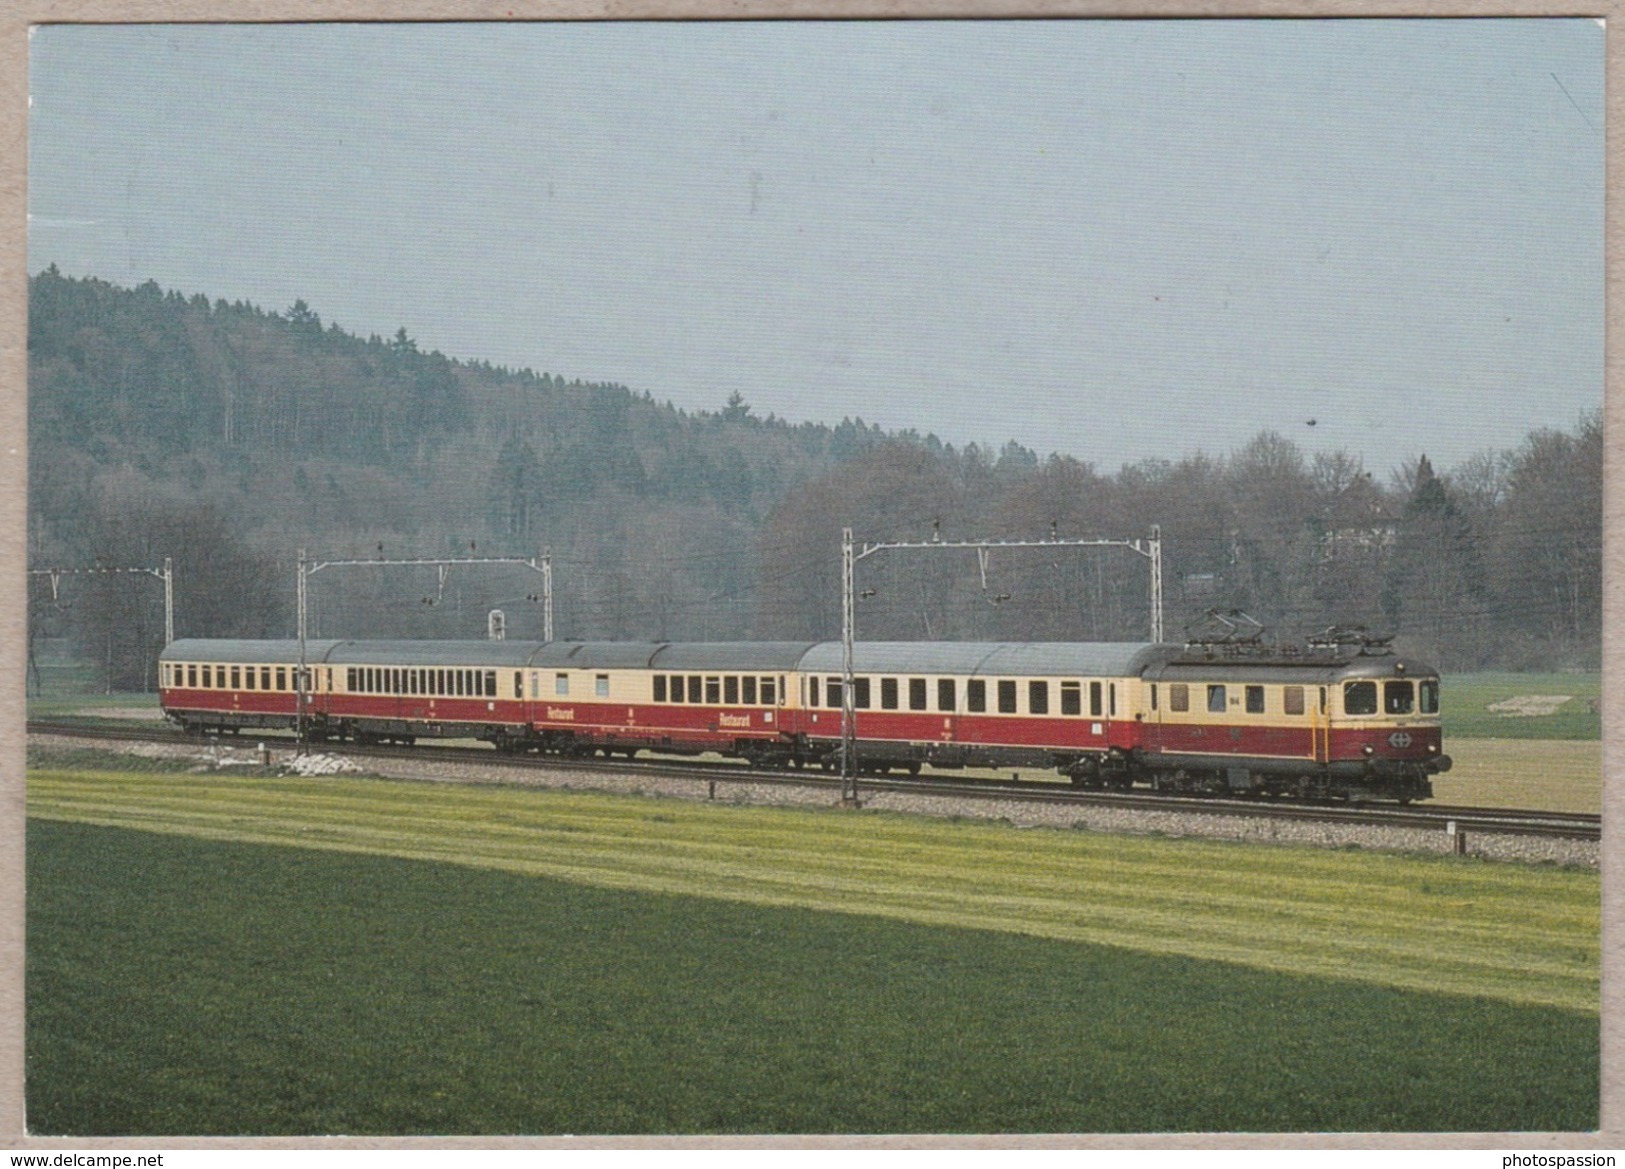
{"points": [[226, 437], [168, 382]]}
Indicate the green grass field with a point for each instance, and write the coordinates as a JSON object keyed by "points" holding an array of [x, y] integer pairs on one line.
{"points": [[293, 956], [1467, 698]]}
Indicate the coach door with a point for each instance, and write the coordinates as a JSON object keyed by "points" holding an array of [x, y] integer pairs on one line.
{"points": [[1320, 729]]}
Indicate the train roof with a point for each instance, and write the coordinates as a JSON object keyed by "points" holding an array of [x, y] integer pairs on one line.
{"points": [[257, 650], [731, 655], [987, 658]]}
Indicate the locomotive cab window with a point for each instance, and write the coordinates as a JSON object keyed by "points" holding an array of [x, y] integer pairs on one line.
{"points": [[1430, 695], [1255, 700], [1216, 701], [1360, 698], [1399, 697], [1179, 696], [1292, 700]]}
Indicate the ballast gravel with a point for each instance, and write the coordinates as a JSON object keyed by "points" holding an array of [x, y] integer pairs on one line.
{"points": [[278, 759]]}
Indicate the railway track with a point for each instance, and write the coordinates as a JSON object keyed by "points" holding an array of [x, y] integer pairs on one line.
{"points": [[1457, 821]]}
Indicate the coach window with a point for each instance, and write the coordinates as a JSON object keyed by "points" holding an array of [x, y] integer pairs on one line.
{"points": [[713, 691], [1292, 700], [832, 692], [1430, 696], [1111, 700], [1216, 702], [191, 676], [561, 683], [1007, 696], [660, 687], [747, 686], [1037, 697], [1360, 698], [945, 694], [350, 681], [916, 693], [976, 695], [812, 692], [518, 684], [1398, 697], [1179, 696], [236, 678], [1095, 706], [248, 679], [888, 694], [490, 683], [281, 678], [1255, 700], [694, 688], [860, 693], [730, 690], [601, 686], [770, 691], [265, 677], [1071, 698]]}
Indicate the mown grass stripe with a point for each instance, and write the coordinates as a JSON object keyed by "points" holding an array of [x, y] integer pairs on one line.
{"points": [[1510, 932], [276, 990]]}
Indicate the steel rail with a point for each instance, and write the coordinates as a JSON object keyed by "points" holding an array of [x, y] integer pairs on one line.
{"points": [[1518, 822]]}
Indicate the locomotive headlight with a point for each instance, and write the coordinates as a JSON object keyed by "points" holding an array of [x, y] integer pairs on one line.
{"points": [[1399, 667], [1369, 749]]}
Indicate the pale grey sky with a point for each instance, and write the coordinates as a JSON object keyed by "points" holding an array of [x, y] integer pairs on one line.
{"points": [[1118, 240]]}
